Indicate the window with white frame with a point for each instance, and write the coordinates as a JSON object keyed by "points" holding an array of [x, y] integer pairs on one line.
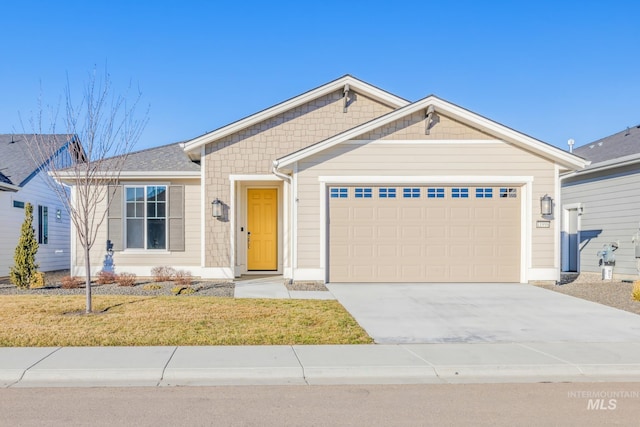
{"points": [[146, 217]]}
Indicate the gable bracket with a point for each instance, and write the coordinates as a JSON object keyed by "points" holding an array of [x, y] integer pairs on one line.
{"points": [[345, 98], [431, 119]]}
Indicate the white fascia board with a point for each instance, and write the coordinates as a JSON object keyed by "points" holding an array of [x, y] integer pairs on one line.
{"points": [[609, 164], [9, 187], [555, 154], [355, 84], [71, 178], [560, 156]]}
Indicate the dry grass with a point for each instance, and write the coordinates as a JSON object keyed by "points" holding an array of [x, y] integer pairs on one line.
{"points": [[136, 321]]}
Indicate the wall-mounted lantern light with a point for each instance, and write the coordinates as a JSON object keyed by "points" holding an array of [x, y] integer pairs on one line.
{"points": [[216, 208], [546, 205]]}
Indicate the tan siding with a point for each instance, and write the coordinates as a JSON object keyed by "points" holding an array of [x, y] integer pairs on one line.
{"points": [[439, 159], [189, 257], [253, 150]]}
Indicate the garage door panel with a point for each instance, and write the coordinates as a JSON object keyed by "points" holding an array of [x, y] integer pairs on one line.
{"points": [[411, 213], [410, 272], [436, 214], [410, 233], [411, 250], [485, 232], [436, 231], [484, 214], [387, 232], [460, 250], [421, 239], [460, 231], [363, 232], [389, 250], [388, 214], [363, 251], [363, 213]]}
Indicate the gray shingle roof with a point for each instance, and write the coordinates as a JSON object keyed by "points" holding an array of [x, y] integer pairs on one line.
{"points": [[16, 162], [621, 144], [167, 158]]}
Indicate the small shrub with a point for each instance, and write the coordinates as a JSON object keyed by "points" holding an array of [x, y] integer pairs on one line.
{"points": [[183, 278], [126, 279], [37, 280], [152, 287], [70, 282], [635, 293], [182, 290], [106, 278], [162, 273]]}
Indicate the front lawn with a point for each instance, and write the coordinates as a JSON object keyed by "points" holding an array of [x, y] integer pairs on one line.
{"points": [[40, 321]]}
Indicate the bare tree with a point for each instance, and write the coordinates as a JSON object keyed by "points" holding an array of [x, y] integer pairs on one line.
{"points": [[102, 129]]}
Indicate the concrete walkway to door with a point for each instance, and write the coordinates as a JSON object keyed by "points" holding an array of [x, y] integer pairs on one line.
{"points": [[272, 287], [481, 313]]}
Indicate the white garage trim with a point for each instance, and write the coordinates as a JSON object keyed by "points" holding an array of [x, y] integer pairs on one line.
{"points": [[525, 212]]}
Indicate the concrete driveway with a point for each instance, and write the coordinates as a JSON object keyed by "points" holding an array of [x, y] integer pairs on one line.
{"points": [[481, 312]]}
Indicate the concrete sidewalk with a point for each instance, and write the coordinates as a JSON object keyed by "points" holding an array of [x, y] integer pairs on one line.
{"points": [[315, 364]]}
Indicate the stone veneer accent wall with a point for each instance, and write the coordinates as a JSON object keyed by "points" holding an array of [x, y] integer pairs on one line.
{"points": [[253, 150]]}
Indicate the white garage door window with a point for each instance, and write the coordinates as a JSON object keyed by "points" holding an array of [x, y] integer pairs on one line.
{"points": [[424, 233]]}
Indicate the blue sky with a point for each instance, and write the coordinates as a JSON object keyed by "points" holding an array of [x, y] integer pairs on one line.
{"points": [[551, 69]]}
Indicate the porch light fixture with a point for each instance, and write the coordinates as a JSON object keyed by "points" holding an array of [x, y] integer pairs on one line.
{"points": [[546, 205], [216, 208]]}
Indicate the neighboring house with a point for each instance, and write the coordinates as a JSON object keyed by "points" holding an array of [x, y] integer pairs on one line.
{"points": [[21, 182], [344, 183], [601, 205]]}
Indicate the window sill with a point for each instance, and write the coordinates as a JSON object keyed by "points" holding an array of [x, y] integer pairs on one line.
{"points": [[146, 251]]}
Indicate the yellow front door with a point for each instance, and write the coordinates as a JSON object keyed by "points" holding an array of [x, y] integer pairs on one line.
{"points": [[262, 229]]}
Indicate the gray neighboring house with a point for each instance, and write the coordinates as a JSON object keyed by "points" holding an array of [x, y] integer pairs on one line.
{"points": [[21, 182], [601, 205]]}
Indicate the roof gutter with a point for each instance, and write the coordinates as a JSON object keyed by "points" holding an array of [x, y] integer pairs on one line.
{"points": [[609, 165], [9, 187]]}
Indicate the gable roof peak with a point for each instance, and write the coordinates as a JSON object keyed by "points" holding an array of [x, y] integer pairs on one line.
{"points": [[338, 84]]}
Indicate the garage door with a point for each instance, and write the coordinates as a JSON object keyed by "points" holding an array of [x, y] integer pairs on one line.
{"points": [[424, 234]]}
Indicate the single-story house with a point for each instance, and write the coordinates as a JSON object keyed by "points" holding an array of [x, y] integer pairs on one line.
{"points": [[344, 183], [22, 181], [601, 206]]}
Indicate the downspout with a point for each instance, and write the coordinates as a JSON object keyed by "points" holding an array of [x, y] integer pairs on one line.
{"points": [[279, 174], [289, 179]]}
